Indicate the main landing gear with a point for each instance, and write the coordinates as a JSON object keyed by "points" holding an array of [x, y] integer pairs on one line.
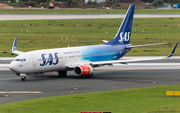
{"points": [[89, 76], [62, 73]]}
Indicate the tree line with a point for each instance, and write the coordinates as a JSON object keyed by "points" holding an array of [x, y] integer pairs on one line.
{"points": [[162, 1], [39, 1], [70, 1]]}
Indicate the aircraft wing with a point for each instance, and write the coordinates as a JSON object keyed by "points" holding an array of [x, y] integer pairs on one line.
{"points": [[125, 61], [134, 60], [111, 62], [14, 50]]}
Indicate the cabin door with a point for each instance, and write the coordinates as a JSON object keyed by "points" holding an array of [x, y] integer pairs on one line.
{"points": [[34, 61]]}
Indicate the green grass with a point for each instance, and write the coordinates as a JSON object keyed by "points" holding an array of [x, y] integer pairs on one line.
{"points": [[44, 34], [136, 100], [82, 11]]}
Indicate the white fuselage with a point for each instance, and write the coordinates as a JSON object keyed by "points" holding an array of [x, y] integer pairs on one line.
{"points": [[58, 59]]}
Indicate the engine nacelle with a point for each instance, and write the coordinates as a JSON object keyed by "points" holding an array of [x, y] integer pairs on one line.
{"points": [[83, 70]]}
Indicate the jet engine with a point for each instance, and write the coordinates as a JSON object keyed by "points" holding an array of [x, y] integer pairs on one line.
{"points": [[83, 70]]}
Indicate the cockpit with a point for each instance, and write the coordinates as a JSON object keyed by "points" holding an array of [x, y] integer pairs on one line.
{"points": [[21, 60]]}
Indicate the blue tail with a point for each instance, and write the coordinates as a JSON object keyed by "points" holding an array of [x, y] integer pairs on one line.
{"points": [[14, 44], [124, 32]]}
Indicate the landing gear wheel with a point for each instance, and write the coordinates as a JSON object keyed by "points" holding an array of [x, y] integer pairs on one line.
{"points": [[62, 73], [23, 78], [90, 76]]}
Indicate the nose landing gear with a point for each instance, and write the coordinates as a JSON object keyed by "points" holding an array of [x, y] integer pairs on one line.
{"points": [[23, 76]]}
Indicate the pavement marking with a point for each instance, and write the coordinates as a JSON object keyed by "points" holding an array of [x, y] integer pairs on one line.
{"points": [[8, 78], [21, 92], [9, 75]]}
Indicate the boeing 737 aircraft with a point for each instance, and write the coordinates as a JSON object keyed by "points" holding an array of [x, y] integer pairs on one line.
{"points": [[82, 59]]}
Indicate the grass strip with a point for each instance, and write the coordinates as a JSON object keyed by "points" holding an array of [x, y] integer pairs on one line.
{"points": [[45, 34], [135, 100]]}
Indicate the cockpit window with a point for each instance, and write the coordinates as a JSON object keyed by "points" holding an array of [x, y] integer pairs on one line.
{"points": [[22, 60], [16, 59]]}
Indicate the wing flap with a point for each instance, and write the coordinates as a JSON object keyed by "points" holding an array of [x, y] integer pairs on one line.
{"points": [[125, 61]]}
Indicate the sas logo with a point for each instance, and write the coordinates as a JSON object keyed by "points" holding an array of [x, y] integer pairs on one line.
{"points": [[50, 59], [124, 36]]}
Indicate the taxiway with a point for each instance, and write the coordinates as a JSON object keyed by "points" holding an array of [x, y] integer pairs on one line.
{"points": [[105, 78], [4, 17]]}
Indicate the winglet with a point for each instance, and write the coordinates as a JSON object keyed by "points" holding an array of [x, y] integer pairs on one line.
{"points": [[14, 44], [172, 52], [14, 50]]}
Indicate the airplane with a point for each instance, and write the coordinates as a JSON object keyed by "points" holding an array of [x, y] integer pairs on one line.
{"points": [[81, 60]]}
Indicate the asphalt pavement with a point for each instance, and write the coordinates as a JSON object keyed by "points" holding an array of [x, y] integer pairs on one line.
{"points": [[4, 17], [105, 78]]}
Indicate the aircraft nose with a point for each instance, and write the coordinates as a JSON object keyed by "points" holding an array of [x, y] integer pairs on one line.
{"points": [[13, 66]]}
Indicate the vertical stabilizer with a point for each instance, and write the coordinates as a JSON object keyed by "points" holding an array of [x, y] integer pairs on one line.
{"points": [[124, 33], [14, 44]]}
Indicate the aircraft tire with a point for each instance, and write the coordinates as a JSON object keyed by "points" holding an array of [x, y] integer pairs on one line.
{"points": [[90, 76], [23, 78], [62, 73]]}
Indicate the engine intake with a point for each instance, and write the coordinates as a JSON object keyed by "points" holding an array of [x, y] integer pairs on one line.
{"points": [[83, 70]]}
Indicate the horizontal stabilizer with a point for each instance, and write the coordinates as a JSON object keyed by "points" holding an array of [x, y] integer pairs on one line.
{"points": [[128, 47], [105, 41]]}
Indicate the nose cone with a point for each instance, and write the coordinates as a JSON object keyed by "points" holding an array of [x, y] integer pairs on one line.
{"points": [[13, 67]]}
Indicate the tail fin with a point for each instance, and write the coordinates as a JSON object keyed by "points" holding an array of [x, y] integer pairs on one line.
{"points": [[124, 32]]}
